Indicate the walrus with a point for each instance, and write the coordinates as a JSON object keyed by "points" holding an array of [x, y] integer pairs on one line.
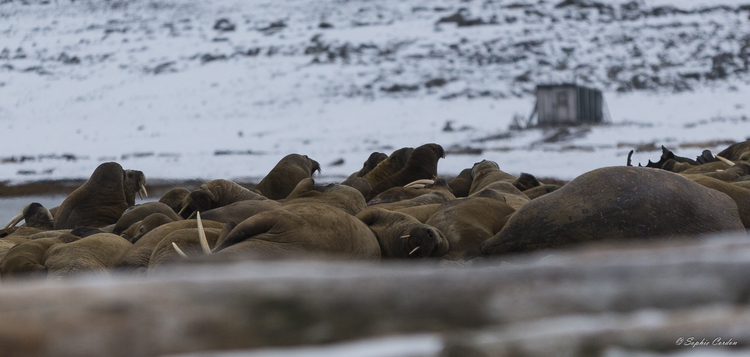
{"points": [[342, 197], [140, 228], [26, 259], [239, 211], [357, 179], [388, 167], [139, 212], [372, 161], [309, 228], [426, 199], [730, 174], [174, 197], [461, 184], [403, 236], [359, 184], [740, 195], [487, 172], [99, 202], [737, 152], [422, 164], [35, 216], [616, 203], [287, 173], [134, 181], [188, 242], [412, 190], [422, 213], [467, 222], [540, 191], [96, 254], [7, 243], [214, 194], [509, 193], [136, 258], [684, 168]]}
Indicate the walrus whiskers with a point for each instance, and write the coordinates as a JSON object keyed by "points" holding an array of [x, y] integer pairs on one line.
{"points": [[178, 250], [202, 235]]}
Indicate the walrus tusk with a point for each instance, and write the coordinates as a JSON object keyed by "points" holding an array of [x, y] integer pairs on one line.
{"points": [[413, 250], [725, 160], [405, 236], [178, 250], [420, 183], [142, 192], [192, 215], [182, 210], [13, 221], [202, 235]]}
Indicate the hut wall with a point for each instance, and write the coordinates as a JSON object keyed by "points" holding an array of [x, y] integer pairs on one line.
{"points": [[557, 105]]}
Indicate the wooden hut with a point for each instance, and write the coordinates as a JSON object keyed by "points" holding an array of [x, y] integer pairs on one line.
{"points": [[568, 104]]}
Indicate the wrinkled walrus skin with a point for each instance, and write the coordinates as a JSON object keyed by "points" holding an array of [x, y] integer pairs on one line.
{"points": [[616, 203]]}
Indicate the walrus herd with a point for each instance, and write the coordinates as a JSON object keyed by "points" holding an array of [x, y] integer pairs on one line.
{"points": [[395, 207]]}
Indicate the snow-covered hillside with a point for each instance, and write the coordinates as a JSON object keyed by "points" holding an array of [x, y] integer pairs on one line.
{"points": [[224, 89]]}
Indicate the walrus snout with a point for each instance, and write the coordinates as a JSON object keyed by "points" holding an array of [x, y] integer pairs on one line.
{"points": [[426, 241]]}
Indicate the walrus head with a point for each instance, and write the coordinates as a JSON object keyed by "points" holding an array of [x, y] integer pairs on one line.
{"points": [[424, 241], [133, 181], [483, 165], [314, 165], [35, 215]]}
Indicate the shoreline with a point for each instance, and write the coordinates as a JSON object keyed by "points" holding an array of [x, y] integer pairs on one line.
{"points": [[156, 188]]}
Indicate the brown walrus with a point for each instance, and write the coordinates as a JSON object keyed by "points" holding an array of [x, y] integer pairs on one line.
{"points": [[461, 184], [35, 216], [214, 194], [138, 213], [309, 228], [616, 203], [97, 253], [422, 164], [27, 258], [136, 258], [412, 190], [282, 179], [467, 222], [342, 197], [390, 166], [98, 202], [403, 236]]}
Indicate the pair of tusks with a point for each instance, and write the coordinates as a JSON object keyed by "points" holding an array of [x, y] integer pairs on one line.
{"points": [[183, 210], [14, 221], [725, 160], [407, 236], [201, 238], [192, 215], [421, 183], [19, 217], [142, 192]]}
